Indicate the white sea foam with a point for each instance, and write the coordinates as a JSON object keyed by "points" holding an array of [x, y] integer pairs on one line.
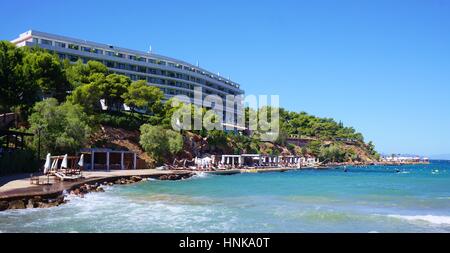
{"points": [[201, 175], [439, 220]]}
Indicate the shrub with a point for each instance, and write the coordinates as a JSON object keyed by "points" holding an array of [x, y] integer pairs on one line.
{"points": [[160, 143], [18, 161], [63, 128]]}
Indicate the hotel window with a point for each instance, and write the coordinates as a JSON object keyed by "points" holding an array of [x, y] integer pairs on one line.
{"points": [[121, 66], [142, 69], [86, 49], [110, 64], [46, 42], [142, 59], [161, 62], [36, 40], [74, 47], [109, 53], [143, 78], [132, 68], [120, 55], [98, 51], [132, 57], [60, 44], [152, 61]]}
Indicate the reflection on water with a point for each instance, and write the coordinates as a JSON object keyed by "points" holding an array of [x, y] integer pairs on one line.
{"points": [[361, 200]]}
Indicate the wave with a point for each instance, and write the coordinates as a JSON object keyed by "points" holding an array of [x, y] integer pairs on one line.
{"points": [[439, 220], [201, 175]]}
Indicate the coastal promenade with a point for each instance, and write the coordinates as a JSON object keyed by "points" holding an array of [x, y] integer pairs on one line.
{"points": [[20, 188]]}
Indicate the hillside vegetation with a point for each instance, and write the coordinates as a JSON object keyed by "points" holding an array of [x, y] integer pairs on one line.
{"points": [[59, 100]]}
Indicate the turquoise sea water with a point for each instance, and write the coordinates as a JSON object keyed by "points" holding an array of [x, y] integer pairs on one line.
{"points": [[365, 199]]}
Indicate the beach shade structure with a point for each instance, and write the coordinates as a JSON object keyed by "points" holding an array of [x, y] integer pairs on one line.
{"points": [[81, 161], [207, 161], [47, 164], [54, 165], [64, 162]]}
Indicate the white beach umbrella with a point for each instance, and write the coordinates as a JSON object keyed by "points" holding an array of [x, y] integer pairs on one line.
{"points": [[47, 164], [64, 162], [55, 164], [81, 162], [206, 161]]}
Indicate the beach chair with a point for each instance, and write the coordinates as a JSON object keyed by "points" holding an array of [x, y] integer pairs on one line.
{"points": [[34, 179], [62, 176]]}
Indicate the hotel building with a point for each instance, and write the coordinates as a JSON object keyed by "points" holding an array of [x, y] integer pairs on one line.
{"points": [[172, 76]]}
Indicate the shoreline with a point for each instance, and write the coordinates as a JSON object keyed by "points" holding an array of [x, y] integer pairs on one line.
{"points": [[20, 194]]}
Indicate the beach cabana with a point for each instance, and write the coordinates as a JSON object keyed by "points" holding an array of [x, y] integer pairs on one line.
{"points": [[232, 160], [107, 159], [251, 159]]}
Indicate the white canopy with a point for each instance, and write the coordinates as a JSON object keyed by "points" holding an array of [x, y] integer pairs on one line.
{"points": [[55, 164], [47, 164], [81, 162], [203, 161], [64, 162]]}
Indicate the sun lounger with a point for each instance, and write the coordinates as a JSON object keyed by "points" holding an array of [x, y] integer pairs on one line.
{"points": [[63, 176]]}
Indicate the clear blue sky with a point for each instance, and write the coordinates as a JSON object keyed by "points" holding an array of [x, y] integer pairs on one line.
{"points": [[380, 66]]}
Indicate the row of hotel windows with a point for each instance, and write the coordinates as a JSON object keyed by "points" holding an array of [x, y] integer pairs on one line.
{"points": [[130, 57], [170, 91], [141, 69]]}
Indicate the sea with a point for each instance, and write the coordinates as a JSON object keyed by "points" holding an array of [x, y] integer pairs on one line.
{"points": [[372, 199]]}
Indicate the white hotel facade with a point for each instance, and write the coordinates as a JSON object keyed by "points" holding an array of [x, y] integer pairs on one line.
{"points": [[172, 76]]}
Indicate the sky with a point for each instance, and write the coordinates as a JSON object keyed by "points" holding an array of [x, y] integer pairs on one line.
{"points": [[380, 66]]}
